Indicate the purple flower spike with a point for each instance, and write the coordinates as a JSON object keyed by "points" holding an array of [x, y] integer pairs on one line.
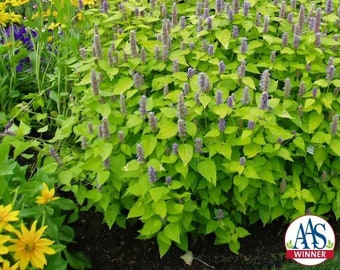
{"points": [[264, 101], [152, 175], [242, 161]]}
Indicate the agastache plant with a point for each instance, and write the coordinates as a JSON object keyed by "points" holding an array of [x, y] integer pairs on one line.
{"points": [[182, 110], [219, 97], [245, 96], [265, 79], [317, 23], [153, 122], [152, 175], [287, 87], [94, 83], [182, 133], [142, 105], [244, 45], [334, 124], [140, 153], [133, 44], [198, 145]]}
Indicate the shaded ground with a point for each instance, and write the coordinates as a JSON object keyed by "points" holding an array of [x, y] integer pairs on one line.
{"points": [[118, 248]]}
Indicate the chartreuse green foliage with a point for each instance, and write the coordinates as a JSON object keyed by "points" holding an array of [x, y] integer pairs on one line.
{"points": [[204, 117]]}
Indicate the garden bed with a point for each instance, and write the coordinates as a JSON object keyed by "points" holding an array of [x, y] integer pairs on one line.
{"points": [[119, 248]]}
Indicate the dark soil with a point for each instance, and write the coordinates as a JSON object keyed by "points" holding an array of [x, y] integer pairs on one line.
{"points": [[119, 249]]}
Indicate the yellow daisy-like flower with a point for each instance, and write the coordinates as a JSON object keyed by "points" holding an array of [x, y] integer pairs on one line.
{"points": [[3, 240], [4, 18], [6, 266], [7, 215], [30, 247], [16, 3], [47, 195], [15, 18]]}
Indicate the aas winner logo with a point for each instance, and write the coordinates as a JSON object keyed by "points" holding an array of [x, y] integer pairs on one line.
{"points": [[309, 240]]}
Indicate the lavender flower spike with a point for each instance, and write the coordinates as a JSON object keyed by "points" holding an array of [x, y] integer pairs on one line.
{"points": [[330, 72], [181, 128], [94, 83], [140, 153], [153, 121], [142, 105], [221, 67], [219, 97], [244, 46], [264, 101], [152, 175], [265, 79], [334, 124], [198, 145]]}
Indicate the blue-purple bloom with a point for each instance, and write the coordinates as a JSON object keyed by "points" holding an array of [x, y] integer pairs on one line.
{"points": [[142, 105], [140, 153], [264, 101], [175, 148], [242, 161], [245, 96], [198, 145], [219, 97], [221, 124], [265, 80], [334, 124], [153, 121], [152, 175], [191, 72]]}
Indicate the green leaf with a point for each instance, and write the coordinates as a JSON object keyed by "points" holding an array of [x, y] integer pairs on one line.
{"points": [[149, 143], [204, 99], [241, 232], [307, 195], [185, 152], [167, 129], [241, 182], [248, 81], [137, 210], [102, 177], [111, 213], [284, 153], [321, 82], [336, 82], [163, 242], [172, 231], [160, 208], [223, 36], [300, 206], [314, 121], [335, 146], [252, 149], [122, 85], [151, 226], [207, 169], [158, 193]]}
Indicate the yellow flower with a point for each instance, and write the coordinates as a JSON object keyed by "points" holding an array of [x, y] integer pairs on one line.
{"points": [[30, 247], [16, 3], [4, 18], [47, 195], [15, 17], [4, 239], [6, 216], [6, 266]]}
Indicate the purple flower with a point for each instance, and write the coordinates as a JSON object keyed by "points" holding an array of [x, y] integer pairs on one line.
{"points": [[153, 121], [242, 161], [197, 98], [106, 130], [182, 130], [55, 156], [258, 19], [191, 72], [246, 7], [236, 6], [140, 153], [243, 46], [235, 32], [152, 175], [208, 22], [182, 110], [251, 124], [174, 19], [330, 72], [287, 88], [282, 13], [203, 82], [284, 39], [266, 24], [314, 92], [302, 89], [157, 53], [329, 6], [138, 80], [175, 148], [175, 65], [97, 48], [245, 96], [210, 49], [241, 70], [219, 214], [198, 145], [293, 4], [221, 67], [317, 40], [100, 131], [334, 124], [301, 17], [296, 38], [272, 56], [219, 97], [104, 6], [142, 105], [264, 101], [182, 22], [143, 55], [230, 14], [265, 79], [94, 83], [122, 104], [186, 88], [219, 6], [230, 102], [168, 180], [317, 24], [83, 143], [222, 124]]}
